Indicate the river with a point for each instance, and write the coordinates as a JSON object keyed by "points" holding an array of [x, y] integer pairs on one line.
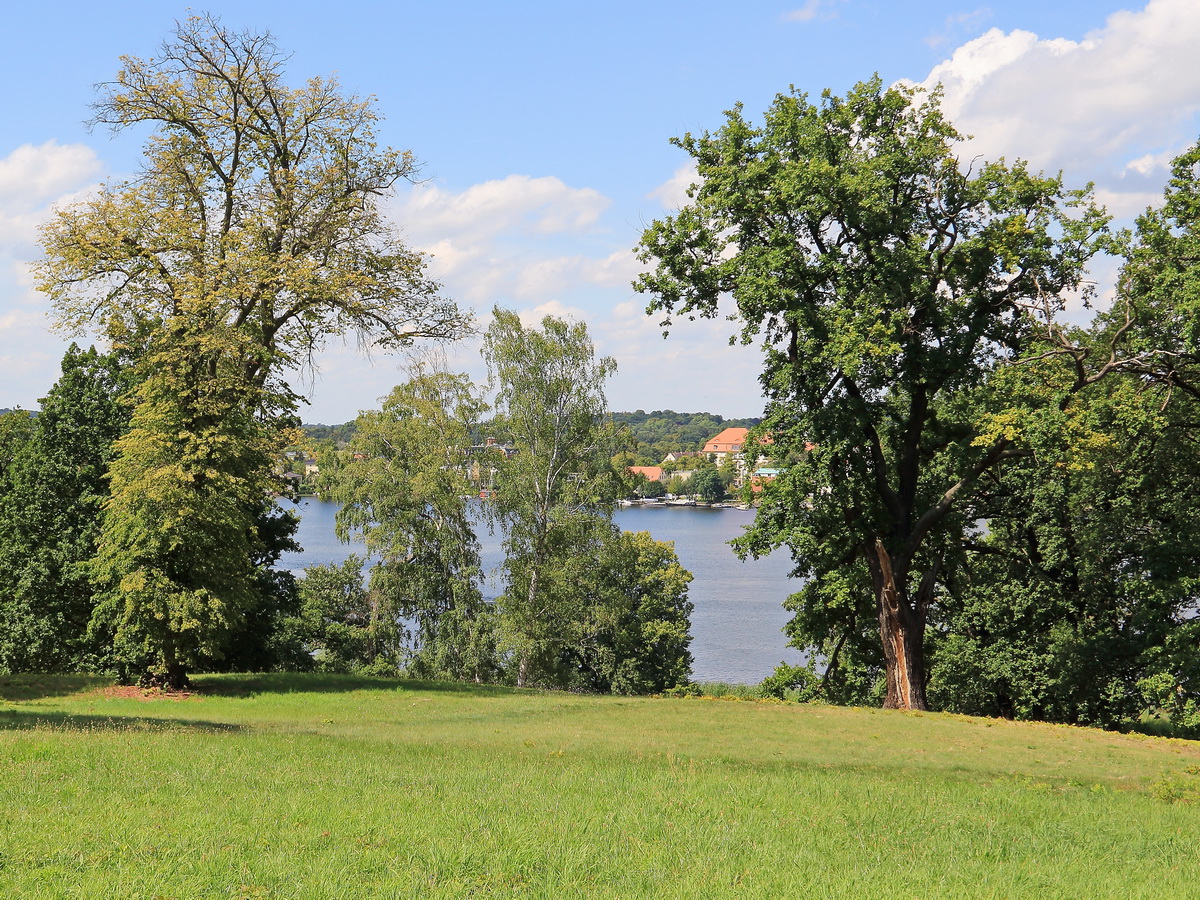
{"points": [[738, 616]]}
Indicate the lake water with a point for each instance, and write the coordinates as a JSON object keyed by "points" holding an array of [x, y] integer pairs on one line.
{"points": [[738, 616]]}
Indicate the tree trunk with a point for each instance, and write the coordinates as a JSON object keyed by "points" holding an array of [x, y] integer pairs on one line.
{"points": [[171, 677], [902, 631], [531, 605]]}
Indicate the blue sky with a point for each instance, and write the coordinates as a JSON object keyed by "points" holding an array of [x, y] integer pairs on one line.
{"points": [[543, 131]]}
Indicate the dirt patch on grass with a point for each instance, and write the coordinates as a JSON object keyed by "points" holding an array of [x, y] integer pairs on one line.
{"points": [[133, 692]]}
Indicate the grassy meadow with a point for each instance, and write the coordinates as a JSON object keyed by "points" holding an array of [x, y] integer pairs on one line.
{"points": [[324, 787]]}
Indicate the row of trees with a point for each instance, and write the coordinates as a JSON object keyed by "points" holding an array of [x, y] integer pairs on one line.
{"points": [[584, 605], [991, 508], [993, 511], [137, 529]]}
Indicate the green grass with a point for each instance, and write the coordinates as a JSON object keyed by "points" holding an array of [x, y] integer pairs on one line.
{"points": [[310, 787]]}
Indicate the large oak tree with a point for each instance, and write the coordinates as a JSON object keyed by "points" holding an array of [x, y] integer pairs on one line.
{"points": [[887, 279]]}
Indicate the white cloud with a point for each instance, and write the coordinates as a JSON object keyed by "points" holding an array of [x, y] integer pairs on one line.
{"points": [[532, 317], [518, 203], [514, 240], [672, 193], [813, 10], [33, 181], [35, 176], [1150, 163], [694, 369], [1112, 108]]}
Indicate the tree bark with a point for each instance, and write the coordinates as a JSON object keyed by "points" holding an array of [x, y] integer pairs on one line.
{"points": [[902, 631], [172, 677], [531, 605]]}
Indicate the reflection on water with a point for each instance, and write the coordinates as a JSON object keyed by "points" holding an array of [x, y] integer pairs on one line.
{"points": [[738, 616]]}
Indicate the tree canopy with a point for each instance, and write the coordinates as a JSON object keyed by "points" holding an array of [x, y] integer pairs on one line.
{"points": [[404, 490], [257, 211], [887, 282], [52, 491], [554, 495]]}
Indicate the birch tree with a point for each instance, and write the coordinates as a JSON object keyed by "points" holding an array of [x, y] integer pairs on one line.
{"points": [[554, 496]]}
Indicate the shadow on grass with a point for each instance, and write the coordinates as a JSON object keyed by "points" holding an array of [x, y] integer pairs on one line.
{"points": [[38, 686], [15, 688], [29, 720], [249, 684]]}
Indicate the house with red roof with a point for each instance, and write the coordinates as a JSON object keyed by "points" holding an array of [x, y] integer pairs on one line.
{"points": [[729, 444], [650, 473]]}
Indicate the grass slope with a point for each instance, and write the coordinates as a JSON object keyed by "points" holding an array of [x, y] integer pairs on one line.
{"points": [[308, 787]]}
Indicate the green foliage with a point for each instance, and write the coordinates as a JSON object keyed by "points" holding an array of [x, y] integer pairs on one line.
{"points": [[554, 496], [343, 625], [585, 607], [1160, 283], [790, 682], [53, 469], [708, 484], [651, 489], [336, 435], [1081, 593], [258, 208], [175, 562], [886, 285], [1079, 604], [263, 643], [253, 232], [638, 617], [403, 485], [663, 431]]}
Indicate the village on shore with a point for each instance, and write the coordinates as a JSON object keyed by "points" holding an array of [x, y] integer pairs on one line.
{"points": [[720, 475]]}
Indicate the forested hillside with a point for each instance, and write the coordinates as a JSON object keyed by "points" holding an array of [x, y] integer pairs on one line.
{"points": [[665, 431]]}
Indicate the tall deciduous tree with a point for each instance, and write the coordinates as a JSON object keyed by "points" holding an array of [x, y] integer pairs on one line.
{"points": [[253, 233], [554, 496], [175, 560], [886, 280], [257, 210], [1161, 283]]}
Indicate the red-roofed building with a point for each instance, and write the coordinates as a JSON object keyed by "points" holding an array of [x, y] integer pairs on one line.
{"points": [[728, 444], [650, 473]]}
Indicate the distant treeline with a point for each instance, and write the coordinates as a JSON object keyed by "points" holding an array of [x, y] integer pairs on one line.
{"points": [[655, 434], [339, 435]]}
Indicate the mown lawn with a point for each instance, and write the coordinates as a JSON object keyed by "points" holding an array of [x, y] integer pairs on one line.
{"points": [[320, 787]]}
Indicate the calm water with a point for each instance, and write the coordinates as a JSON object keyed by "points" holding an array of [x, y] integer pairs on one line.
{"points": [[738, 616]]}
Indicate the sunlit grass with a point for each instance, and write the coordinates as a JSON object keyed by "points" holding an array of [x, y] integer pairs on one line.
{"points": [[325, 788]]}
